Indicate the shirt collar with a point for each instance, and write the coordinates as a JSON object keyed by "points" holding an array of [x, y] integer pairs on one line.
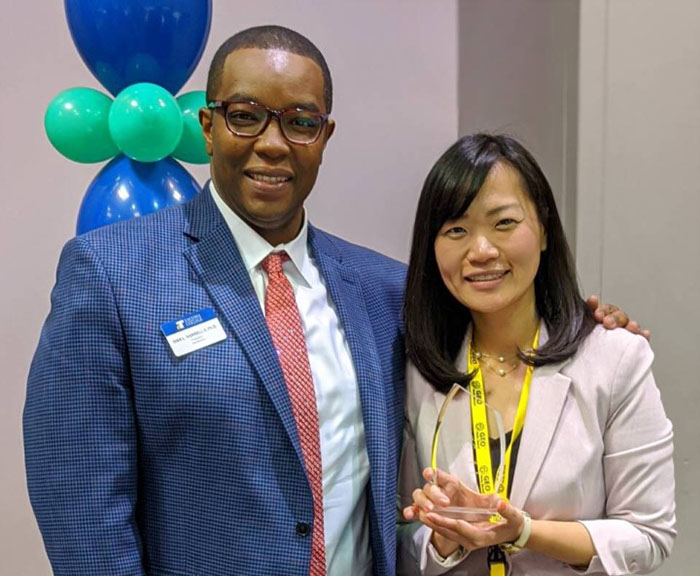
{"points": [[254, 248]]}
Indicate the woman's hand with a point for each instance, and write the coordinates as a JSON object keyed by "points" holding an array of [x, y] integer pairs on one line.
{"points": [[449, 533]]}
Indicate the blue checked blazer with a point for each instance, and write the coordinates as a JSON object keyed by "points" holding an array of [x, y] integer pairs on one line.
{"points": [[139, 462]]}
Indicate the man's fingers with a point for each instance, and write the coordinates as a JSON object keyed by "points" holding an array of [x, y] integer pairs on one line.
{"points": [[621, 319], [593, 302], [633, 326], [612, 316]]}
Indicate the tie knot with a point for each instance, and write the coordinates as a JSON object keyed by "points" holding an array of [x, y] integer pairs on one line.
{"points": [[272, 264]]}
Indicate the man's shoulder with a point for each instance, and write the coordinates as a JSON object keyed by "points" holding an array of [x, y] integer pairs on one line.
{"points": [[130, 248], [152, 230]]}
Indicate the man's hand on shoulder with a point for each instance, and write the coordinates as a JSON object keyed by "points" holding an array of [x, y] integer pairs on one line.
{"points": [[610, 316]]}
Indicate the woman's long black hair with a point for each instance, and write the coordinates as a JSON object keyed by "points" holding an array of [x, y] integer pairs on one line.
{"points": [[435, 321]]}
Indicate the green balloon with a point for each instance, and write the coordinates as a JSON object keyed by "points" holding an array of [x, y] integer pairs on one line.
{"points": [[191, 147], [76, 122], [145, 122]]}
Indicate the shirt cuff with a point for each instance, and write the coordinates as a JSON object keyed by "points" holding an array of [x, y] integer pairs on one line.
{"points": [[448, 562]]}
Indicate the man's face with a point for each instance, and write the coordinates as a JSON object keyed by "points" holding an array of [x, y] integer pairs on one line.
{"points": [[266, 179]]}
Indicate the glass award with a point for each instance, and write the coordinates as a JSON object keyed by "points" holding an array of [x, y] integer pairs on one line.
{"points": [[478, 433]]}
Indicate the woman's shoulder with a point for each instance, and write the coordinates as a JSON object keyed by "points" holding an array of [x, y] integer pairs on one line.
{"points": [[604, 344], [610, 360]]}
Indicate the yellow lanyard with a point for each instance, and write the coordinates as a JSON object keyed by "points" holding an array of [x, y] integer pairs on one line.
{"points": [[482, 448]]}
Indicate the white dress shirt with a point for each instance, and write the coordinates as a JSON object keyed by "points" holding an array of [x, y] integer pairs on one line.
{"points": [[342, 434]]}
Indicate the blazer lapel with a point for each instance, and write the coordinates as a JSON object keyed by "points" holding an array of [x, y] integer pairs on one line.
{"points": [[345, 288], [215, 259], [548, 392]]}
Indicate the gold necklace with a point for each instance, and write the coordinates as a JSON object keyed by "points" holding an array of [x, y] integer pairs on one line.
{"points": [[502, 360], [498, 357]]}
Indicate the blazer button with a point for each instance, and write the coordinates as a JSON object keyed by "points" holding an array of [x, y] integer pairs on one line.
{"points": [[303, 529]]}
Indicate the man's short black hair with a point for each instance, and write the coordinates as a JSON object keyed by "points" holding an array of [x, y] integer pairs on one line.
{"points": [[269, 38]]}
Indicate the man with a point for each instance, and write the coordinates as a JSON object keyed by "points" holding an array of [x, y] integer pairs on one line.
{"points": [[218, 388]]}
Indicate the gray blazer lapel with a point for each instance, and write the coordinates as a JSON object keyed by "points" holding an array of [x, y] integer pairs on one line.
{"points": [[548, 393], [215, 259], [345, 288]]}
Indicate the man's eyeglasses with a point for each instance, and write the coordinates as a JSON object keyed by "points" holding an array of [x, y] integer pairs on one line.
{"points": [[248, 119]]}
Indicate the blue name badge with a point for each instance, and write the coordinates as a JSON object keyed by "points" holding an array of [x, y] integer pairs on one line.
{"points": [[193, 332]]}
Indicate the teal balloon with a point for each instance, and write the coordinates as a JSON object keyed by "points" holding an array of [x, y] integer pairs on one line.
{"points": [[145, 122], [76, 122], [191, 147]]}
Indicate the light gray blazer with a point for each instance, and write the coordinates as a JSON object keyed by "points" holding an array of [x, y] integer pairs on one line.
{"points": [[596, 447]]}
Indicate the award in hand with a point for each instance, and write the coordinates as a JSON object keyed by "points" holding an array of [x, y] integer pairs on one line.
{"points": [[488, 429]]}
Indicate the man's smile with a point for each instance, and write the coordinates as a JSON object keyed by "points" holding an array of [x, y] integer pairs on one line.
{"points": [[269, 176]]}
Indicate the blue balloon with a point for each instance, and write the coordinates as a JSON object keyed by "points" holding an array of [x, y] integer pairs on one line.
{"points": [[123, 42], [126, 189]]}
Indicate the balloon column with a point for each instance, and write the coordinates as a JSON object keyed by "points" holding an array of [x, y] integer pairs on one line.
{"points": [[142, 51]]}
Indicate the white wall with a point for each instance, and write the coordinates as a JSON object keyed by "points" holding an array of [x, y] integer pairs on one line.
{"points": [[639, 203], [391, 61]]}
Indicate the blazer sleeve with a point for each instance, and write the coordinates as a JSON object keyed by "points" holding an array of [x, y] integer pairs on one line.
{"points": [[412, 537], [638, 531], [79, 426]]}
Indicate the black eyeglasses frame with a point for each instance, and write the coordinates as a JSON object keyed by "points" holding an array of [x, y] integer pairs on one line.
{"points": [[271, 113]]}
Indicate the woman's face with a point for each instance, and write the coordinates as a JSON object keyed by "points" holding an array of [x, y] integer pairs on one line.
{"points": [[489, 256]]}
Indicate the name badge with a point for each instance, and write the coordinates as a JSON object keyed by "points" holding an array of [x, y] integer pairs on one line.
{"points": [[193, 332]]}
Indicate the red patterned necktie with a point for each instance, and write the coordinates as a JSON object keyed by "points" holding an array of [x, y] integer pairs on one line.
{"points": [[282, 317]]}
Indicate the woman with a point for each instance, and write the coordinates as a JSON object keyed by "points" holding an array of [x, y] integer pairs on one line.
{"points": [[492, 302]]}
